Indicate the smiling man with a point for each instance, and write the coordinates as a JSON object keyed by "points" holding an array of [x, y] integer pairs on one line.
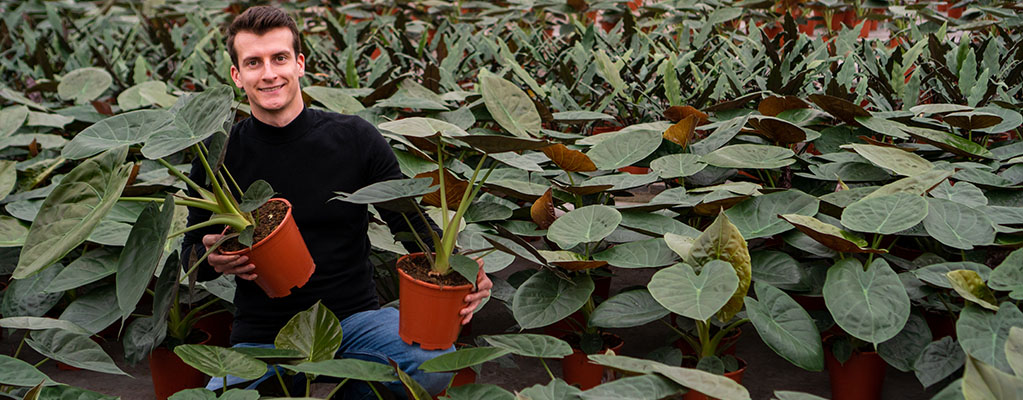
{"points": [[307, 155]]}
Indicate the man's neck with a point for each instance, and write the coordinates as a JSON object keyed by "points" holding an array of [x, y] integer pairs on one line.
{"points": [[278, 119]]}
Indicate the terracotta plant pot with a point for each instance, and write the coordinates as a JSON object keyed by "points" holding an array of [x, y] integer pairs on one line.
{"points": [[282, 260], [462, 377], [578, 370], [171, 375], [734, 375], [860, 377], [428, 312]]}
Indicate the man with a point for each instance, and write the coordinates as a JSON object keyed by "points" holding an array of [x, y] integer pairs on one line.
{"points": [[307, 155]]}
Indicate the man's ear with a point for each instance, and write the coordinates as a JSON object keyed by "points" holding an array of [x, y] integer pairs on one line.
{"points": [[300, 59], [236, 77]]}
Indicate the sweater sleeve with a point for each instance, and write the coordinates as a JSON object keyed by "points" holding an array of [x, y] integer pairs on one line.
{"points": [[382, 165]]}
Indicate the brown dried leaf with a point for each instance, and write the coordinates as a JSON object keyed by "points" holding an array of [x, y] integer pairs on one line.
{"points": [[454, 188], [579, 265], [778, 130], [774, 105], [682, 132], [568, 159], [542, 210], [677, 113], [839, 108]]}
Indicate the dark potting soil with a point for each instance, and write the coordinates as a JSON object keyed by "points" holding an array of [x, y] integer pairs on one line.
{"points": [[417, 266], [268, 217]]}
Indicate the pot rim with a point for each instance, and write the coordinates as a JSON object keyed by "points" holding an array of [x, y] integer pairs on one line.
{"points": [[287, 216], [434, 286]]}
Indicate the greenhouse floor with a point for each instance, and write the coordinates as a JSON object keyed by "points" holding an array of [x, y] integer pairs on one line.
{"points": [[766, 371]]}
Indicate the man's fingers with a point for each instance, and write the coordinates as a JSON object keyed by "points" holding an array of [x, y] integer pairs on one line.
{"points": [[222, 263]]}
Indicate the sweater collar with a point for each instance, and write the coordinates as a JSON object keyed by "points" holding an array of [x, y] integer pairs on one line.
{"points": [[293, 130]]}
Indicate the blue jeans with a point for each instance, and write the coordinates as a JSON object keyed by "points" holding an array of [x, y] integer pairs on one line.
{"points": [[371, 336]]}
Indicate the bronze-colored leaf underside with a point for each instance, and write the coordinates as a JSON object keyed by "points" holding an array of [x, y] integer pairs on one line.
{"points": [[542, 210], [568, 159], [682, 132], [454, 189]]}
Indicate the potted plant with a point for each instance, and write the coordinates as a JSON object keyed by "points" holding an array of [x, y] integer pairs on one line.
{"points": [[430, 295], [163, 133]]}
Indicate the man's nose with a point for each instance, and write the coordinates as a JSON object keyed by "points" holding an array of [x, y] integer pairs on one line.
{"points": [[268, 71]]}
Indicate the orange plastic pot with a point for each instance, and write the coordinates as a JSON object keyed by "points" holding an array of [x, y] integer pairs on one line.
{"points": [[734, 375], [578, 370], [462, 377], [428, 312], [171, 375], [282, 259], [861, 377]]}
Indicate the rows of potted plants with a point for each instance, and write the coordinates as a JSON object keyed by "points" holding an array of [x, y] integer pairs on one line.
{"points": [[883, 181]]}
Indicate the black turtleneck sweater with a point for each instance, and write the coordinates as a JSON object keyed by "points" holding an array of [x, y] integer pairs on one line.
{"points": [[307, 161]]}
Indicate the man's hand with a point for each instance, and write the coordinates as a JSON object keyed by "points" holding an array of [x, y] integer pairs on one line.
{"points": [[483, 285], [234, 265]]}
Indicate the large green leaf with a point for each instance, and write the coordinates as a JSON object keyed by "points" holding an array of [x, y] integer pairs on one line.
{"points": [[544, 298], [120, 130], [588, 224], [93, 311], [677, 165], [983, 333], [199, 117], [621, 181], [957, 225], [389, 194], [1014, 350], [145, 94], [20, 373], [757, 217], [27, 298], [74, 207], [1009, 275], [40, 323], [934, 274], [462, 358], [141, 336], [554, 390], [947, 141], [883, 126], [139, 258], [755, 156], [964, 193], [474, 391], [723, 241], [870, 304], [530, 345], [510, 106], [422, 127], [334, 99], [84, 84], [829, 235], [785, 327], [8, 177], [897, 160], [902, 350], [11, 118], [73, 349], [714, 385], [656, 224], [347, 368], [775, 268], [938, 360], [628, 309], [917, 184], [679, 289], [219, 362], [885, 214], [639, 254], [641, 387], [624, 149], [90, 267], [315, 332]]}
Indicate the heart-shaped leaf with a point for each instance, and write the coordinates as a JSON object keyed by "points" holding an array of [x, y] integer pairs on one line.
{"points": [[315, 332], [982, 333], [633, 388], [219, 362], [778, 130], [530, 345], [588, 224], [885, 214], [628, 309], [122, 129], [544, 298], [567, 159], [197, 118], [774, 105], [510, 106], [624, 149], [785, 327], [648, 253], [1008, 276], [139, 258], [334, 99], [347, 368], [20, 373], [84, 84], [677, 165], [757, 217], [938, 360], [899, 161], [957, 225], [679, 289], [870, 304], [754, 156], [682, 132], [723, 241], [462, 358], [73, 349], [840, 108]]}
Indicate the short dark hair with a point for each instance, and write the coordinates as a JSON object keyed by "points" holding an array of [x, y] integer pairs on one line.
{"points": [[260, 20]]}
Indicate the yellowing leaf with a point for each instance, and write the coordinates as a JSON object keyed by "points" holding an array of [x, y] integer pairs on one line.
{"points": [[722, 241], [970, 285]]}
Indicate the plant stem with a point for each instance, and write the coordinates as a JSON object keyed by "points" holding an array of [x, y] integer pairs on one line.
{"points": [[277, 371], [336, 388], [20, 344], [41, 362], [375, 391], [545, 367], [308, 384], [223, 389]]}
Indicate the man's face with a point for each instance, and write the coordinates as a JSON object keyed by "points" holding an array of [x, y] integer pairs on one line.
{"points": [[268, 72]]}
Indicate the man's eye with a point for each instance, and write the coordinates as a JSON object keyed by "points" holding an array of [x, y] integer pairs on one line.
{"points": [[282, 58]]}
